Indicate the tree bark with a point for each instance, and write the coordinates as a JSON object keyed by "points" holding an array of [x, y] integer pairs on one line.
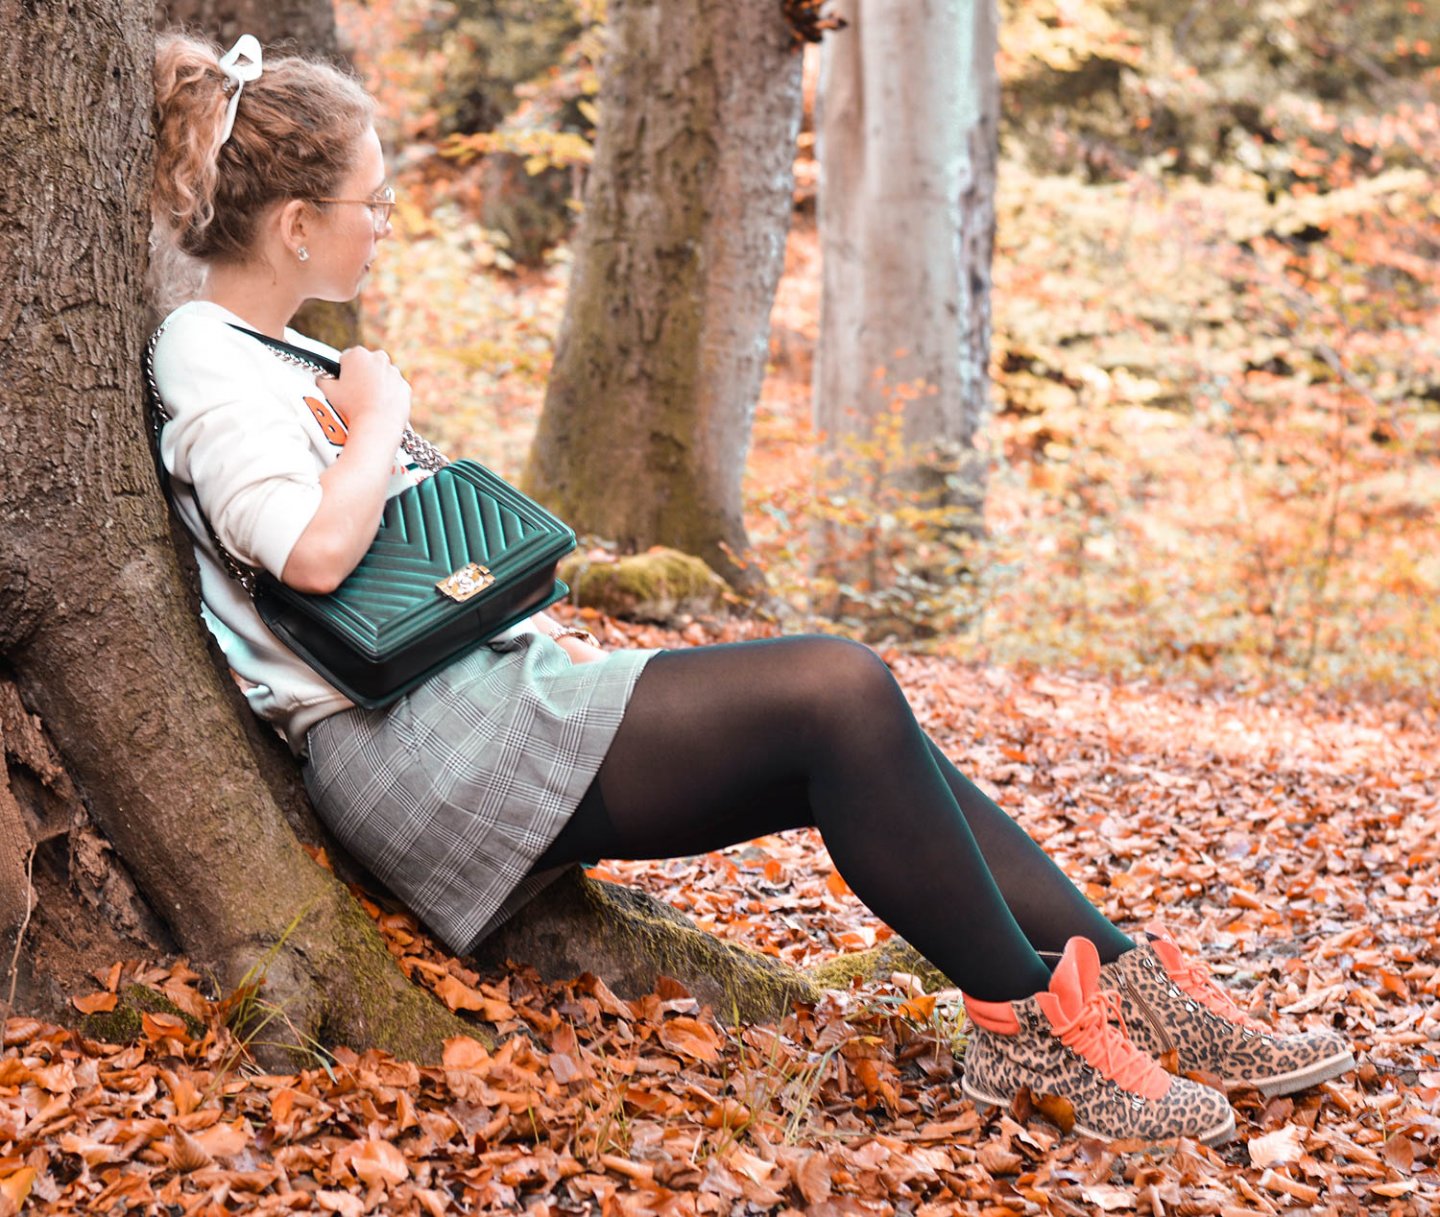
{"points": [[663, 345], [94, 617], [84, 910], [908, 143]]}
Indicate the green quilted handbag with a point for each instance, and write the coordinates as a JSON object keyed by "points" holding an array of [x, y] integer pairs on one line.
{"points": [[458, 558]]}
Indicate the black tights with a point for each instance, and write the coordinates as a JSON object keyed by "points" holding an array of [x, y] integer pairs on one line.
{"points": [[721, 744]]}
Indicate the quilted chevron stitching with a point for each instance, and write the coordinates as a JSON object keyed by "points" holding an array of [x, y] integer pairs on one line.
{"points": [[451, 523]]}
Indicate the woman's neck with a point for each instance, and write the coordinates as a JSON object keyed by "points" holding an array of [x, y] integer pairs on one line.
{"points": [[253, 295]]}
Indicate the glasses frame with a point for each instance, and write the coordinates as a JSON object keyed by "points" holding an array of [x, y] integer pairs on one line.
{"points": [[381, 206]]}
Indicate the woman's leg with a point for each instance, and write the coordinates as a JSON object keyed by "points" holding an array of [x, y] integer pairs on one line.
{"points": [[720, 744], [1047, 905]]}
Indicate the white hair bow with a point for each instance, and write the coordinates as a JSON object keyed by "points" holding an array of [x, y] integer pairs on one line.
{"points": [[246, 47]]}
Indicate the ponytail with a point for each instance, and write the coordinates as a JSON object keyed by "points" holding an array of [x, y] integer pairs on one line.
{"points": [[190, 107]]}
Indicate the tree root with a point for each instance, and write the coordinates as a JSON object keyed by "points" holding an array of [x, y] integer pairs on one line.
{"points": [[877, 964], [579, 924], [331, 981]]}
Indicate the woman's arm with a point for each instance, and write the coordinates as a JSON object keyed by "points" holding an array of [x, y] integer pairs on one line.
{"points": [[374, 400]]}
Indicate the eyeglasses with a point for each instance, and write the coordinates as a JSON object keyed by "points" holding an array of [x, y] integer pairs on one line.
{"points": [[380, 206]]}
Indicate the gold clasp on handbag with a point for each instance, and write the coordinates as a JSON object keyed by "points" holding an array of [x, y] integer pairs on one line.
{"points": [[467, 581]]}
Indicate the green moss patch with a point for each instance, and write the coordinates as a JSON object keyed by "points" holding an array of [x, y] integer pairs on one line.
{"points": [[124, 1024], [878, 963], [661, 585]]}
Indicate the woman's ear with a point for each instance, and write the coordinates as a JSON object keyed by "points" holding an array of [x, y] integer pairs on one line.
{"points": [[295, 221]]}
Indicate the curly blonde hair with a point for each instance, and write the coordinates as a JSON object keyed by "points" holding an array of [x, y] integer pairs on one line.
{"points": [[296, 132]]}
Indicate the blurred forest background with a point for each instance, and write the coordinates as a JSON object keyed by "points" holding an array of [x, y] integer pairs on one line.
{"points": [[1215, 425]]}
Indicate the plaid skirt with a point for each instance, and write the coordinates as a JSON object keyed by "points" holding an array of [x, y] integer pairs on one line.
{"points": [[451, 793]]}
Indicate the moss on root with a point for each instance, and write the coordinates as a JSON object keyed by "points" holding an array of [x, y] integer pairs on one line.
{"points": [[630, 939], [125, 1023], [397, 1014], [334, 983], [878, 963], [739, 983], [658, 585]]}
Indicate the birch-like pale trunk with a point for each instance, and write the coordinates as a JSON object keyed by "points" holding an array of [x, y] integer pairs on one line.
{"points": [[909, 105]]}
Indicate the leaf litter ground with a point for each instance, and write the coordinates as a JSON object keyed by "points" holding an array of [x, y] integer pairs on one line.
{"points": [[1294, 842]]}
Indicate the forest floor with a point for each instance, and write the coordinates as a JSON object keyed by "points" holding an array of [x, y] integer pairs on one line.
{"points": [[1293, 841]]}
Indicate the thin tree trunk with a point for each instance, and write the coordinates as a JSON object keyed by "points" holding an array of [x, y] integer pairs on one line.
{"points": [[663, 346], [908, 145]]}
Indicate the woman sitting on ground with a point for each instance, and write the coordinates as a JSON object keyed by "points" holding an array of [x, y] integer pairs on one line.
{"points": [[538, 749]]}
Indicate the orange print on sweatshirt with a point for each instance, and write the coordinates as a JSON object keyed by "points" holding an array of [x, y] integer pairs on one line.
{"points": [[329, 419]]}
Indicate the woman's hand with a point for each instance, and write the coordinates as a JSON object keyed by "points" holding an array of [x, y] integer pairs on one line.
{"points": [[579, 650], [370, 391]]}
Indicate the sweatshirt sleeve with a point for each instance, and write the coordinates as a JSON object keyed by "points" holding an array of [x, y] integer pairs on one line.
{"points": [[236, 439]]}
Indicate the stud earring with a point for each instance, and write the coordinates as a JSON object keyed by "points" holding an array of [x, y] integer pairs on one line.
{"points": [[303, 254]]}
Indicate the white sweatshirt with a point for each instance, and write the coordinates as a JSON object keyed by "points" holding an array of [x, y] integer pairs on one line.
{"points": [[250, 434]]}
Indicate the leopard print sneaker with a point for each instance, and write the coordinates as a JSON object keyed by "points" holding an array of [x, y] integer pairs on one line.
{"points": [[1172, 1005], [1066, 1042]]}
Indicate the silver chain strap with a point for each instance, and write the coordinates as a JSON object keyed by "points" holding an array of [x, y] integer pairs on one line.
{"points": [[426, 455], [242, 574]]}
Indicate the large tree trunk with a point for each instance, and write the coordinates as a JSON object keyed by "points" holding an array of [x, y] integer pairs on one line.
{"points": [[909, 106], [663, 346], [94, 617], [306, 26]]}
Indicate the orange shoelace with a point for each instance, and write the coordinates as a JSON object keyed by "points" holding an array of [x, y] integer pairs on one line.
{"points": [[1194, 980], [1108, 1047]]}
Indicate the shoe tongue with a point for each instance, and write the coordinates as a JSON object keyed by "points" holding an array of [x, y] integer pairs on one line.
{"points": [[1073, 982], [1165, 947]]}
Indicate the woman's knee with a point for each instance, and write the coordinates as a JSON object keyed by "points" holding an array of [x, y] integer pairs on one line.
{"points": [[854, 668], [851, 688]]}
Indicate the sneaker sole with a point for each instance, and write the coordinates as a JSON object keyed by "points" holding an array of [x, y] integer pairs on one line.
{"points": [[1299, 1079], [1219, 1135]]}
